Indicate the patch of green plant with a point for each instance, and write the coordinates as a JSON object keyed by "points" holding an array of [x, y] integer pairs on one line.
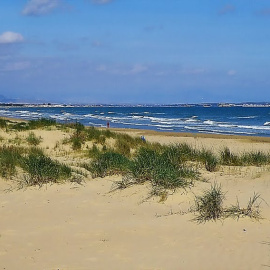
{"points": [[210, 161], [3, 123], [252, 210], [92, 133], [133, 142], [101, 140], [40, 123], [32, 139], [9, 158], [122, 147], [109, 163], [149, 165], [21, 126], [78, 137], [32, 124], [126, 182], [158, 191], [94, 151], [77, 142], [155, 146], [255, 158], [108, 133], [229, 159], [188, 153], [41, 169], [209, 206]]}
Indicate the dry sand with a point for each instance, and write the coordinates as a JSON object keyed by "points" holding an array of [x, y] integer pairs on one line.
{"points": [[70, 226]]}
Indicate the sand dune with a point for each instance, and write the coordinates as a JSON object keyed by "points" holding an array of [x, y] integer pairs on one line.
{"points": [[70, 226]]}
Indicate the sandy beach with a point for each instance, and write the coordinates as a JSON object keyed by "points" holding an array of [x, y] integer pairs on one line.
{"points": [[71, 226]]}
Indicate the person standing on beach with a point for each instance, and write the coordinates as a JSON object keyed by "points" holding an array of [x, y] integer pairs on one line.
{"points": [[108, 124]]}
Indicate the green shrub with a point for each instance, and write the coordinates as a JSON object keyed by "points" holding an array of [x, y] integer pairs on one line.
{"points": [[94, 151], [160, 170], [76, 143], [40, 123], [108, 134], [246, 159], [188, 153], [109, 163], [229, 159], [78, 137], [122, 147], [255, 158], [19, 126], [210, 205], [32, 139], [92, 133], [101, 139], [210, 160], [3, 123], [252, 210], [9, 158], [42, 169]]}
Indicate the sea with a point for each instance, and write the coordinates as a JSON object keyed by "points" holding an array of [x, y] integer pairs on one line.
{"points": [[249, 120]]}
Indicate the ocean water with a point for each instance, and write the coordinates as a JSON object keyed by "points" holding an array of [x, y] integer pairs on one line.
{"points": [[251, 121]]}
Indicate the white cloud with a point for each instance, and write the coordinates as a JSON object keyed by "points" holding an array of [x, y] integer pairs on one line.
{"points": [[101, 68], [192, 71], [138, 68], [232, 72], [40, 7], [10, 37], [96, 44], [15, 66]]}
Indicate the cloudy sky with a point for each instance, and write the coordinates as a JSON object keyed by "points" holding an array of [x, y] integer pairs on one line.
{"points": [[135, 51]]}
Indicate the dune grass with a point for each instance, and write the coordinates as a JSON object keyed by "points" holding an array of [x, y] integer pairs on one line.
{"points": [[32, 139], [109, 163], [252, 210], [3, 123], [10, 157], [32, 124], [164, 166], [41, 169], [209, 205], [255, 158]]}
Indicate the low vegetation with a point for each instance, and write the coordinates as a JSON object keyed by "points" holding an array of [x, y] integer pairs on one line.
{"points": [[257, 158], [32, 139], [41, 169], [10, 158], [165, 167], [210, 206]]}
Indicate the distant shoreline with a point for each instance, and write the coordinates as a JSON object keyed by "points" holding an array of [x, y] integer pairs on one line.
{"points": [[205, 104]]}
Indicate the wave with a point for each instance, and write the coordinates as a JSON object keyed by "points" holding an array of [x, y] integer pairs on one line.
{"points": [[166, 129], [209, 122], [247, 117], [192, 120]]}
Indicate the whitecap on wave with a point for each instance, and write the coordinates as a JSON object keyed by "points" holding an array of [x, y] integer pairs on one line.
{"points": [[209, 122]]}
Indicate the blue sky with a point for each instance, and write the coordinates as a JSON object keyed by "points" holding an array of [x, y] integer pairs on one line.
{"points": [[135, 51]]}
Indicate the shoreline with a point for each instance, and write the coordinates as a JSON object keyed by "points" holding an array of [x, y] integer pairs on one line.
{"points": [[172, 134]]}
